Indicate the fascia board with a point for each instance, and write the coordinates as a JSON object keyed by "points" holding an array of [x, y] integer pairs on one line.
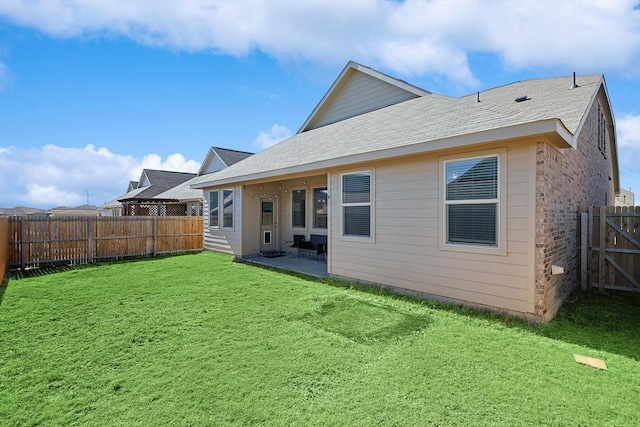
{"points": [[552, 129]]}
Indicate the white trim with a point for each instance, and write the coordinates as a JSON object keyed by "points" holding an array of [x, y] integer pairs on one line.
{"points": [[501, 229], [264, 237]]}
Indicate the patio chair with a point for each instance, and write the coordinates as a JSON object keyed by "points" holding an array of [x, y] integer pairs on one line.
{"points": [[295, 244], [317, 245]]}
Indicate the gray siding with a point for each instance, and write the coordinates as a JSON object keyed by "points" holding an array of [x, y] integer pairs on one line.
{"points": [[214, 165], [220, 239], [361, 94]]}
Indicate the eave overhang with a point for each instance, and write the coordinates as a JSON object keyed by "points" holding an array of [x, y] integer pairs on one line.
{"points": [[551, 130]]}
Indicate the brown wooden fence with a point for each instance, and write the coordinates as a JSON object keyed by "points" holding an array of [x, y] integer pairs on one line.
{"points": [[610, 248], [4, 248], [37, 242]]}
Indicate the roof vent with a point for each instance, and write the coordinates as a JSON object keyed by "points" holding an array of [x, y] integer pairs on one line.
{"points": [[523, 98], [574, 85], [478, 97]]}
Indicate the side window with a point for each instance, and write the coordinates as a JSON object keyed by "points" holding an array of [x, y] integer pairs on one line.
{"points": [[472, 201], [602, 132], [298, 211], [356, 204], [213, 209], [227, 210], [320, 207]]}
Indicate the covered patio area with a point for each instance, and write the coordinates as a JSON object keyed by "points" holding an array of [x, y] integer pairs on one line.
{"points": [[304, 265]]}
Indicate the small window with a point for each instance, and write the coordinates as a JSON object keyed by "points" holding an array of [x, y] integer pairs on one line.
{"points": [[298, 211], [320, 197], [267, 213], [227, 210], [213, 209], [356, 204], [471, 201], [602, 132]]}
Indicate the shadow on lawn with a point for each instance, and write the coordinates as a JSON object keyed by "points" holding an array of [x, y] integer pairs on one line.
{"points": [[603, 321], [606, 321]]}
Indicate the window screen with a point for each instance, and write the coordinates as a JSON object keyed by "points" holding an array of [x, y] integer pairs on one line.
{"points": [[356, 204], [472, 201]]}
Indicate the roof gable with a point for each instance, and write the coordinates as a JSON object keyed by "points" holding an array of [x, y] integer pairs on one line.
{"points": [[359, 90], [157, 182], [220, 158]]}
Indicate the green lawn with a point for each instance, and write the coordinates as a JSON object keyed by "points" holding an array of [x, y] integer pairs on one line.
{"points": [[200, 340]]}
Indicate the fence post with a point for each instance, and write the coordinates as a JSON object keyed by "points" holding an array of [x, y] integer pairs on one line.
{"points": [[89, 240], [584, 248], [602, 275], [23, 256], [155, 235]]}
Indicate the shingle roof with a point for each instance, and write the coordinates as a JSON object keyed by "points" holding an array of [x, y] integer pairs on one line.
{"points": [[231, 157], [423, 120], [181, 192], [161, 181]]}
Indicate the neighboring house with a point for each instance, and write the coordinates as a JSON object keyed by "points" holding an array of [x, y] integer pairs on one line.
{"points": [[23, 211], [169, 193], [470, 200], [625, 198], [84, 210]]}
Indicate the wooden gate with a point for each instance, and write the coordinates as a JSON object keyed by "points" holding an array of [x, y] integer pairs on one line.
{"points": [[610, 248]]}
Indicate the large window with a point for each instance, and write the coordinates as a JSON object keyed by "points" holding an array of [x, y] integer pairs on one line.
{"points": [[298, 211], [472, 201], [227, 210], [320, 207], [213, 209], [356, 204]]}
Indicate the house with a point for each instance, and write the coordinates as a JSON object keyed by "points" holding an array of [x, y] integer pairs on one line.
{"points": [[84, 210], [625, 198], [469, 200], [169, 193], [23, 211]]}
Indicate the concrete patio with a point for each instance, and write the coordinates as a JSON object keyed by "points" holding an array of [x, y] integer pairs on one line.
{"points": [[305, 265]]}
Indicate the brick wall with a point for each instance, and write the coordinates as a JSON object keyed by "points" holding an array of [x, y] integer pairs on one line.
{"points": [[566, 179]]}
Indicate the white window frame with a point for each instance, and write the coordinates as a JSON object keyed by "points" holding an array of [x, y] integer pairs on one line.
{"points": [[233, 207], [372, 220], [298, 227], [214, 227], [500, 201]]}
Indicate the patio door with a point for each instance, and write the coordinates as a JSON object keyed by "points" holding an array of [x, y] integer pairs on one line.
{"points": [[267, 226]]}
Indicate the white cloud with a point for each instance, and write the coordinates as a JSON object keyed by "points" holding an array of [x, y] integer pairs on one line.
{"points": [[271, 137], [628, 128], [412, 37], [174, 162], [55, 176]]}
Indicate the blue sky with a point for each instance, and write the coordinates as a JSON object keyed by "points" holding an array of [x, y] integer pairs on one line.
{"points": [[91, 92]]}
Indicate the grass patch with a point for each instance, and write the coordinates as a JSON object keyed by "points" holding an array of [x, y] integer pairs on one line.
{"points": [[200, 340]]}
